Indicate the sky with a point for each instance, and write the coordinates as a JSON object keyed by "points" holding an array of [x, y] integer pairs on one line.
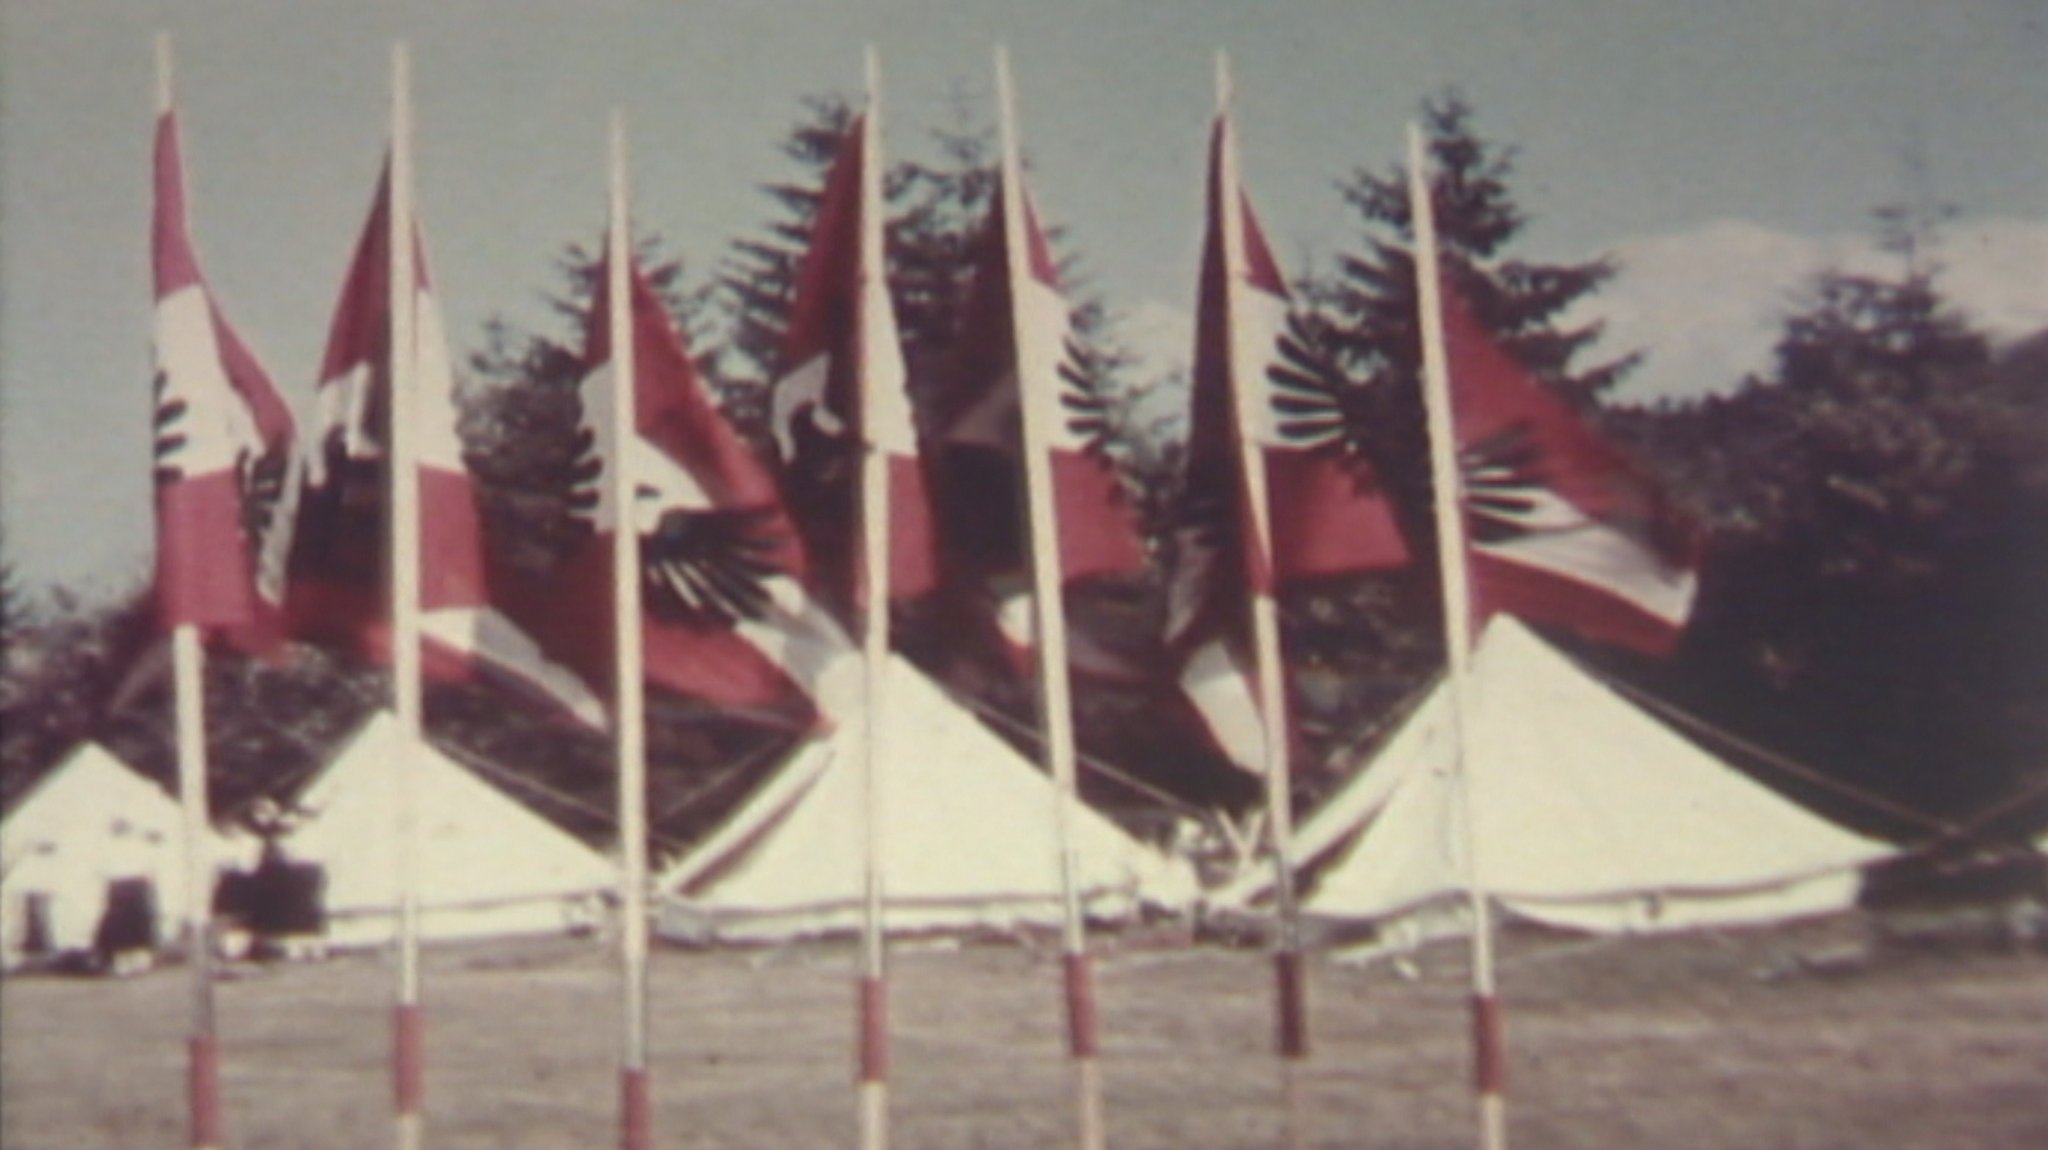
{"points": [[1724, 150]]}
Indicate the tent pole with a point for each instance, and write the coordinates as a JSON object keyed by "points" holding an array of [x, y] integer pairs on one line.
{"points": [[872, 291], [1248, 400], [1488, 1049], [408, 1023], [1049, 618], [629, 733]]}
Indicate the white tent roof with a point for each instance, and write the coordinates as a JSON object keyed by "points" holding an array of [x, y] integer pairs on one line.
{"points": [[965, 825], [1587, 813], [89, 787], [486, 865], [90, 820]]}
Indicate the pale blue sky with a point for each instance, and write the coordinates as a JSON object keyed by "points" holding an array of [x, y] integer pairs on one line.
{"points": [[1635, 121]]}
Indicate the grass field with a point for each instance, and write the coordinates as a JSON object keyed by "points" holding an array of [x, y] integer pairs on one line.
{"points": [[1710, 1040]]}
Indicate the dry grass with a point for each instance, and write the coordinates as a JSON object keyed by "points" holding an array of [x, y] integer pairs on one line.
{"points": [[1659, 1043]]}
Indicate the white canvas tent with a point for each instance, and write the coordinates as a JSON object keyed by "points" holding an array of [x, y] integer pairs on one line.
{"points": [[487, 866], [1589, 814], [92, 819], [966, 832]]}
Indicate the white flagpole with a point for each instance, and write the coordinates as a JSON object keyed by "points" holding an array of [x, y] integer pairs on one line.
{"points": [[636, 1110], [202, 1046], [873, 293], [1049, 616], [1489, 1053], [1249, 399], [408, 1035]]}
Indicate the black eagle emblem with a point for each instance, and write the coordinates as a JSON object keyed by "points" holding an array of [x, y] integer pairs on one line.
{"points": [[710, 566], [1314, 404], [1082, 398], [1504, 485], [170, 431], [586, 471], [260, 474], [697, 565]]}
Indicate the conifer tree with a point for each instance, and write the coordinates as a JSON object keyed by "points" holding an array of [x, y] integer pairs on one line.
{"points": [[1366, 315], [1360, 647], [757, 279], [1874, 496], [520, 408]]}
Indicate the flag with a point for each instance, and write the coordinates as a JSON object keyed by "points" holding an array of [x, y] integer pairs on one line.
{"points": [[340, 576], [1326, 512], [222, 442], [1562, 528], [843, 361], [1016, 342], [725, 619]]}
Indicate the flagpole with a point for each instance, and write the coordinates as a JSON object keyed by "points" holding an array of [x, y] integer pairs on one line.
{"points": [[872, 290], [1488, 1048], [636, 1130], [408, 1024], [1248, 397], [202, 1045], [1049, 615]]}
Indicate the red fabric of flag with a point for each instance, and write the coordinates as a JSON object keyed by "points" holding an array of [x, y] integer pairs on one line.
{"points": [[340, 576], [1326, 511], [843, 365], [1563, 528], [222, 443], [974, 449], [720, 562]]}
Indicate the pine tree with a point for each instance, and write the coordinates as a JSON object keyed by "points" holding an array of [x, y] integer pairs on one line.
{"points": [[757, 279], [12, 604], [519, 405], [938, 210], [1366, 313], [1361, 646], [1874, 497]]}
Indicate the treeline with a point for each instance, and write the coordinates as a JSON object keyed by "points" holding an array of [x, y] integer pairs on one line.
{"points": [[1872, 504]]}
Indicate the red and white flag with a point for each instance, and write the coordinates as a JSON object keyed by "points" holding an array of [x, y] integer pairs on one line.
{"points": [[843, 366], [223, 444], [1017, 345], [340, 576], [1325, 513], [725, 618], [1563, 528]]}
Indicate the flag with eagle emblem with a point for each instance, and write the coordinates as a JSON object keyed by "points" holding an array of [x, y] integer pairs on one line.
{"points": [[975, 445], [725, 619], [340, 575], [842, 366], [1326, 510], [222, 444], [1563, 528]]}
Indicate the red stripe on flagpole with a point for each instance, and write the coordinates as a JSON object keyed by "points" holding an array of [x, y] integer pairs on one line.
{"points": [[1080, 980], [202, 1090], [874, 1030], [1292, 988], [636, 1110], [408, 1058], [1489, 1046]]}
